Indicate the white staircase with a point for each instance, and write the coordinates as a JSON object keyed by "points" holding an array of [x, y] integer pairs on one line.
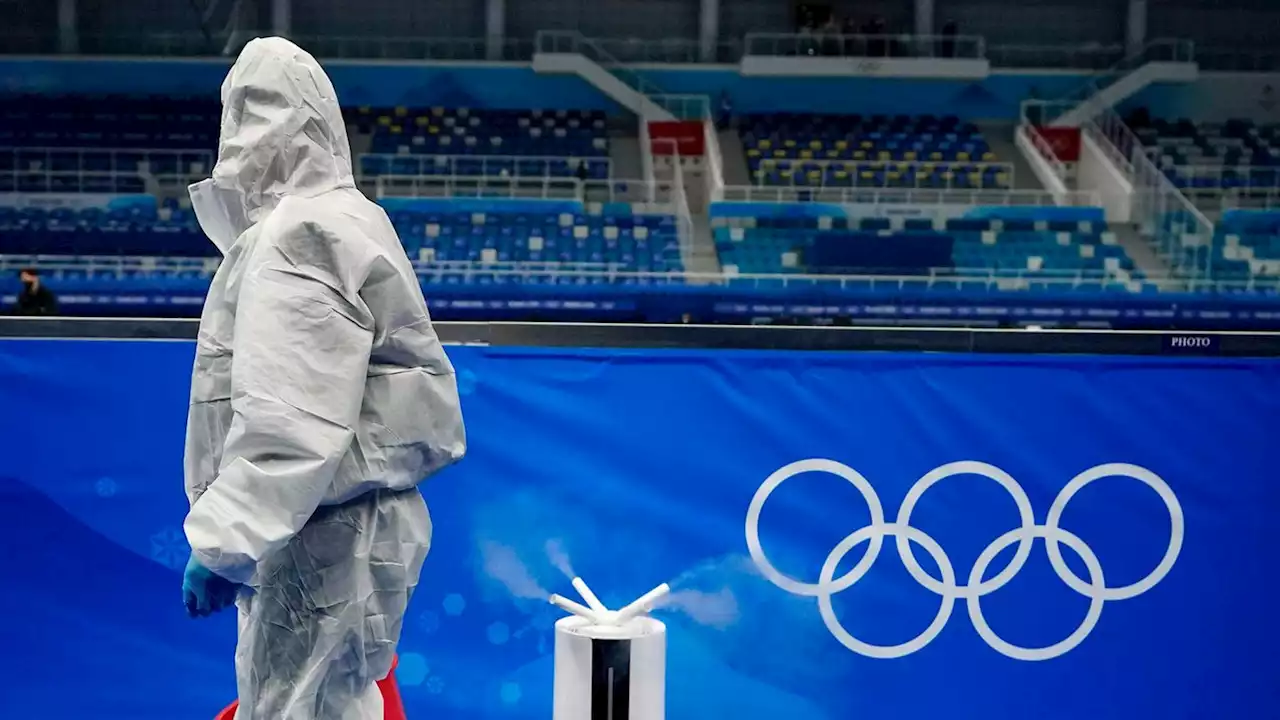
{"points": [[569, 53], [1162, 61]]}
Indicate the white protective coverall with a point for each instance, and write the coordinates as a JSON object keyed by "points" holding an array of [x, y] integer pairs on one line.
{"points": [[320, 398]]}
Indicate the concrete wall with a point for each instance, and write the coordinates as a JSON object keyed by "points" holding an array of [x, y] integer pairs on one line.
{"points": [[1097, 173]]}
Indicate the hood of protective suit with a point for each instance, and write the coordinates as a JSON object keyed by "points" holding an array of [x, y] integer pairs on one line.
{"points": [[282, 132]]}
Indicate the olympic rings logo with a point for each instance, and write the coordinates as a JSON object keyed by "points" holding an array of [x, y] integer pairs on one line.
{"points": [[972, 592]]}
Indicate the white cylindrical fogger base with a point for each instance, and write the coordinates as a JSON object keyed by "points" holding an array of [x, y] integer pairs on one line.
{"points": [[610, 672]]}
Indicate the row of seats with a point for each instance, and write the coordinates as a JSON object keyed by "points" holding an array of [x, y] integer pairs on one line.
{"points": [[72, 182], [1234, 154], [1246, 247], [879, 175], [640, 243], [372, 165], [442, 131], [855, 138]]}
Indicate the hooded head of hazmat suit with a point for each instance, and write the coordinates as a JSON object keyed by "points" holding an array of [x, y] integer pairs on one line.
{"points": [[320, 399]]}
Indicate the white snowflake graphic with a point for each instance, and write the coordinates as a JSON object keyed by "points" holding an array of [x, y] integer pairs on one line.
{"points": [[435, 685], [467, 381], [106, 487], [454, 604], [429, 621], [498, 633], [169, 547], [510, 693]]}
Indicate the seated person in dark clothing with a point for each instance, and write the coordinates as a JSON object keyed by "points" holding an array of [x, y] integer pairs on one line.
{"points": [[35, 298]]}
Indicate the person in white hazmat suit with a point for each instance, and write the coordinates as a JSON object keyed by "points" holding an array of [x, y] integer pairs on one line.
{"points": [[320, 399]]}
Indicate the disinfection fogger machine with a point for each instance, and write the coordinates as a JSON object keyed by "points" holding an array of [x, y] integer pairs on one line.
{"points": [[610, 665]]}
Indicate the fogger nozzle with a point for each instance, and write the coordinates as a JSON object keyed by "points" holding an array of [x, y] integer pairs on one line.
{"points": [[592, 601], [570, 606], [643, 605]]}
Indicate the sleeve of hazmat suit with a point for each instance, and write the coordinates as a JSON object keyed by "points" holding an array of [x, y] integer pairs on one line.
{"points": [[300, 358]]}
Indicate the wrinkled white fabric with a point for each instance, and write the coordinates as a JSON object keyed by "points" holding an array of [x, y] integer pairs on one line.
{"points": [[321, 397]]}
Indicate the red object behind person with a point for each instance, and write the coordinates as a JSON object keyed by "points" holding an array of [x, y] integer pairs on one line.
{"points": [[392, 704]]}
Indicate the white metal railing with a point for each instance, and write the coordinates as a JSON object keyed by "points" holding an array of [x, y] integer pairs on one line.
{"points": [[74, 159], [1181, 233], [948, 170], [1247, 175], [498, 166], [653, 196], [413, 48], [1251, 199], [908, 196], [574, 42], [1160, 50], [1045, 149], [715, 159], [673, 172], [990, 279], [1238, 59], [668, 50], [683, 107], [107, 183], [1076, 56], [821, 44], [422, 186]]}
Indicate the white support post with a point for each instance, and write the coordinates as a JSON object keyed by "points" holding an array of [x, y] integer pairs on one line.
{"points": [[495, 28], [924, 18], [1136, 27], [281, 17], [68, 35], [708, 30]]}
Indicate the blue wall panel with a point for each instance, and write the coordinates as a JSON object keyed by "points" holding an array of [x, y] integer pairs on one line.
{"points": [[637, 467]]}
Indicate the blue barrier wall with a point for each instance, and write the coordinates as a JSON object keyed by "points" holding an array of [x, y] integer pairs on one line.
{"points": [[637, 467]]}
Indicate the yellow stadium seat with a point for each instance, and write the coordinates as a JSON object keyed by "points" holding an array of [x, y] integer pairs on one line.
{"points": [[765, 144], [421, 121], [787, 174], [437, 111], [842, 144], [780, 153], [815, 144], [867, 145], [975, 178], [434, 130], [806, 154], [860, 155], [935, 155], [402, 111], [842, 175], [396, 129], [384, 120], [909, 155], [1002, 178], [833, 154], [815, 174], [962, 156], [988, 156], [885, 155], [948, 175], [867, 174], [789, 143], [753, 153]]}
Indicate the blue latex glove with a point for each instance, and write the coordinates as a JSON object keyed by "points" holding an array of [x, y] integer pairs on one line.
{"points": [[205, 592]]}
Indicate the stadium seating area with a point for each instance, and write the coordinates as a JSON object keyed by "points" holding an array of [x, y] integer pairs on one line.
{"points": [[1246, 246], [1010, 248], [112, 144], [614, 239], [1235, 154], [878, 151], [525, 142]]}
